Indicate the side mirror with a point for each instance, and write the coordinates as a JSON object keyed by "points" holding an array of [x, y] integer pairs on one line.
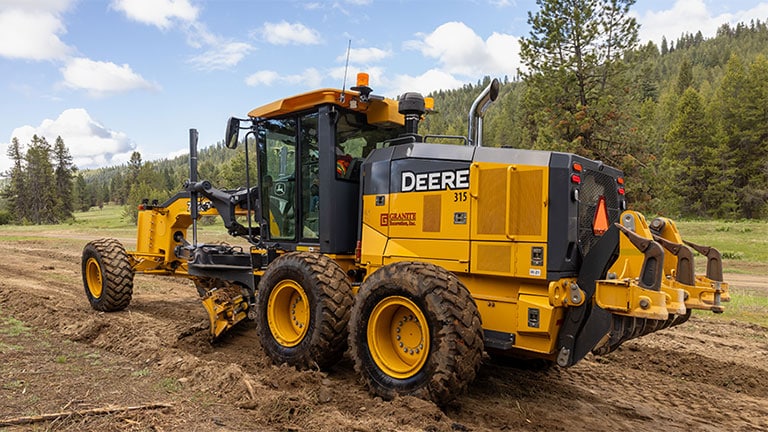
{"points": [[233, 133]]}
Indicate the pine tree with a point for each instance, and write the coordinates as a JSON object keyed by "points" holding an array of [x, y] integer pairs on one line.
{"points": [[63, 178], [744, 96], [576, 76], [692, 156], [40, 182], [82, 199], [684, 77], [16, 192]]}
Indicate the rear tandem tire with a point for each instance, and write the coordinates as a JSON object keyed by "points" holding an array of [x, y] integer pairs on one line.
{"points": [[304, 302], [107, 275], [415, 330]]}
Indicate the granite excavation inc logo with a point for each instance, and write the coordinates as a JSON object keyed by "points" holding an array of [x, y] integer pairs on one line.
{"points": [[398, 219]]}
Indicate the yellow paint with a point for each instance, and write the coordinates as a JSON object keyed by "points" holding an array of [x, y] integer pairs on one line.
{"points": [[398, 337], [624, 297], [288, 313], [223, 315], [451, 255], [93, 277], [381, 112]]}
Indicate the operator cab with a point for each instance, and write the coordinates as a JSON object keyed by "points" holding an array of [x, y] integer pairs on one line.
{"points": [[309, 150]]}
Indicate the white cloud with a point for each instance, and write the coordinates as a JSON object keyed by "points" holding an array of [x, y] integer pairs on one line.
{"points": [[285, 33], [159, 13], [461, 51], [220, 53], [101, 78], [52, 6], [365, 55], [90, 143], [32, 35], [431, 80], [263, 77], [222, 56], [310, 78], [690, 16]]}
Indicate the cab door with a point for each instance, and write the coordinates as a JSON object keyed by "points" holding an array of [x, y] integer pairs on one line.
{"points": [[288, 169]]}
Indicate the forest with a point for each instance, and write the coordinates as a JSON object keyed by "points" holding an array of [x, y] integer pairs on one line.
{"points": [[687, 121]]}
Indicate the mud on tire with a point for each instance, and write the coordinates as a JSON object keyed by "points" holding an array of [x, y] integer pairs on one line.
{"points": [[107, 275], [304, 303], [386, 333]]}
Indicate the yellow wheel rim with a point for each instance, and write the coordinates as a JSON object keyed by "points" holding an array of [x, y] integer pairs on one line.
{"points": [[288, 313], [93, 276], [398, 337]]}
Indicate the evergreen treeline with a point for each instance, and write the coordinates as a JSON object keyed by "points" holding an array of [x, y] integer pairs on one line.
{"points": [[40, 187], [130, 183]]}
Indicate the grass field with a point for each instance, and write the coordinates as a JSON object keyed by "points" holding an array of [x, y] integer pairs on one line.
{"points": [[741, 241]]}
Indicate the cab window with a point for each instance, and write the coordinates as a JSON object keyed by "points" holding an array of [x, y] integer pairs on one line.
{"points": [[355, 139], [278, 182], [310, 176]]}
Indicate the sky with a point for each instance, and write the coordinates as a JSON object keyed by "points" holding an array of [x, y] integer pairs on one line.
{"points": [[116, 76]]}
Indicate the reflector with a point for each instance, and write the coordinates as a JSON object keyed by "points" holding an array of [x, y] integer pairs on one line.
{"points": [[600, 224]]}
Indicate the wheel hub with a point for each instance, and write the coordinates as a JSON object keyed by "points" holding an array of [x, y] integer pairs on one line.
{"points": [[93, 276], [288, 313], [398, 335]]}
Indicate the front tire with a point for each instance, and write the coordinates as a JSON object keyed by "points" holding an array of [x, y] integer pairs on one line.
{"points": [[415, 330], [107, 275], [304, 303]]}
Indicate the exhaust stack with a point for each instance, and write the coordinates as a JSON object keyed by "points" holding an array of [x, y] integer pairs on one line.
{"points": [[477, 111]]}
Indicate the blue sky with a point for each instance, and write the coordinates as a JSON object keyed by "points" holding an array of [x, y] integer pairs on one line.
{"points": [[114, 76]]}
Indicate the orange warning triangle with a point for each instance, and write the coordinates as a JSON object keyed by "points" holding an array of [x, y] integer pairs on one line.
{"points": [[600, 224]]}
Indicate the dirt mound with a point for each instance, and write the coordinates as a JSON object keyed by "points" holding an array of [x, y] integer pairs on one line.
{"points": [[60, 355]]}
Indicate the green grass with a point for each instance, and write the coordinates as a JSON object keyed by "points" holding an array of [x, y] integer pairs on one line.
{"points": [[169, 385], [141, 372], [6, 348], [109, 216], [745, 306], [748, 305], [12, 327], [743, 240]]}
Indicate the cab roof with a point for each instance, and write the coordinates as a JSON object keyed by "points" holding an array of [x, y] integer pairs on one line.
{"points": [[380, 111]]}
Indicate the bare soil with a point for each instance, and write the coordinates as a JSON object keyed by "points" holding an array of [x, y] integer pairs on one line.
{"points": [[57, 355]]}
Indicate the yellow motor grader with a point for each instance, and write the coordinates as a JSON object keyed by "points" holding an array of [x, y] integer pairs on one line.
{"points": [[414, 253]]}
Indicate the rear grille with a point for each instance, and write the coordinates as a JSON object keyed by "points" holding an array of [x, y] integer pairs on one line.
{"points": [[594, 185]]}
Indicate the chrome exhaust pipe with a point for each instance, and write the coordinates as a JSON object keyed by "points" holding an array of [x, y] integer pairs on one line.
{"points": [[477, 111]]}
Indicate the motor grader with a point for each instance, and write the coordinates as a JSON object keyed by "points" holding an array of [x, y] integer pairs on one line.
{"points": [[416, 254]]}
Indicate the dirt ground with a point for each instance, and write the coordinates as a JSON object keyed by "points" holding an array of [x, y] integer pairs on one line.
{"points": [[57, 355]]}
